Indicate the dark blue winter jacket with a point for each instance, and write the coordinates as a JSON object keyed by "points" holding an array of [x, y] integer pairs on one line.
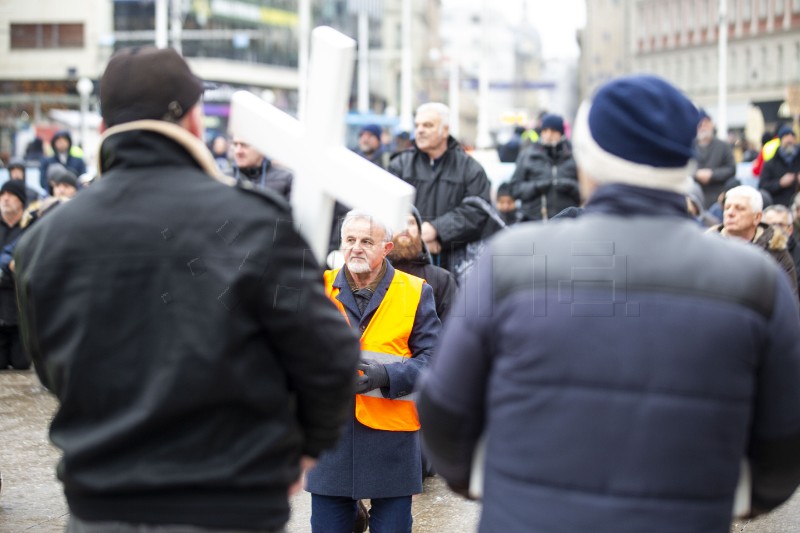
{"points": [[621, 365]]}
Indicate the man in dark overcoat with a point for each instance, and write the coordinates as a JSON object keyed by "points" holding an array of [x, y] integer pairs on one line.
{"points": [[378, 456]]}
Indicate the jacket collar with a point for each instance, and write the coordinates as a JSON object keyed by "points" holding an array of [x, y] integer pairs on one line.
{"points": [[627, 200], [124, 134], [347, 299]]}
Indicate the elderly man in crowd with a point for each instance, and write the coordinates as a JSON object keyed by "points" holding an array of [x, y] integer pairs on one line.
{"points": [[253, 167], [378, 456], [781, 174], [715, 163], [742, 220], [781, 217], [444, 176]]}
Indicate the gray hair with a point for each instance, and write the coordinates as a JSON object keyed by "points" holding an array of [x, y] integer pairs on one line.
{"points": [[781, 210], [440, 109], [357, 214], [752, 194]]}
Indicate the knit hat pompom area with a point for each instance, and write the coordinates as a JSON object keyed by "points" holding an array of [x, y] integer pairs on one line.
{"points": [[637, 130]]}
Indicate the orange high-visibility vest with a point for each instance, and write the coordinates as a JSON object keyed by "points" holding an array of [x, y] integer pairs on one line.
{"points": [[385, 340]]}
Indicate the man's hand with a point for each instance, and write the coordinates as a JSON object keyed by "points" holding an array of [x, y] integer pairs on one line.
{"points": [[373, 376], [306, 464], [703, 176], [429, 236], [787, 180]]}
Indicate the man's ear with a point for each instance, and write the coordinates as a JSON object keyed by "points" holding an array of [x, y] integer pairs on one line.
{"points": [[193, 122], [103, 126], [758, 217], [387, 247]]}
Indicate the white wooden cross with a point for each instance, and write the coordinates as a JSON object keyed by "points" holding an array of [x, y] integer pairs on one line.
{"points": [[324, 169]]}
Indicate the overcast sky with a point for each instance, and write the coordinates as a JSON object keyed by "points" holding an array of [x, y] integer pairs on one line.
{"points": [[556, 20]]}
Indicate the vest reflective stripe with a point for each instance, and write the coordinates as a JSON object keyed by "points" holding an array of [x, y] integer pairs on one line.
{"points": [[387, 335], [386, 358]]}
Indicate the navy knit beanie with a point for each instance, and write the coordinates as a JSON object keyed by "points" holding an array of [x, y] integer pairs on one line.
{"points": [[637, 130], [553, 122], [786, 130], [374, 129]]}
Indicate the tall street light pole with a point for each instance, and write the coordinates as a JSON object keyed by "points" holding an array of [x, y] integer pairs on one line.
{"points": [[722, 112]]}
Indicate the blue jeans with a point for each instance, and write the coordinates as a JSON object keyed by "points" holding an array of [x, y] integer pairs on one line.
{"points": [[335, 514]]}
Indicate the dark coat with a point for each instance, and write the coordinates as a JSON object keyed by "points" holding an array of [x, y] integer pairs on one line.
{"points": [[9, 316], [773, 171], [545, 175], [621, 383], [368, 463], [187, 337], [441, 189], [441, 281], [719, 158], [267, 177]]}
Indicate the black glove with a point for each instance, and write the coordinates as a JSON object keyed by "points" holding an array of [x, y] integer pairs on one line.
{"points": [[375, 376]]}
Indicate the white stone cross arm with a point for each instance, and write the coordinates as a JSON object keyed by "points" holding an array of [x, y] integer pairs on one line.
{"points": [[325, 170]]}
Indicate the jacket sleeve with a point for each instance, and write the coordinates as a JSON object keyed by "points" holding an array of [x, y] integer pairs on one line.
{"points": [[452, 395], [774, 451], [317, 349], [424, 333], [465, 222]]}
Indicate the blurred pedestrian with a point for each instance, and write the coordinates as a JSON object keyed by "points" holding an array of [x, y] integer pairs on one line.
{"points": [[715, 163], [252, 166], [545, 179], [62, 146], [370, 146], [18, 171], [780, 176], [13, 199], [619, 388], [168, 310]]}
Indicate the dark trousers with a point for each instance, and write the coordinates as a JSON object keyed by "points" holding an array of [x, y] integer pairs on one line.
{"points": [[334, 514], [11, 352]]}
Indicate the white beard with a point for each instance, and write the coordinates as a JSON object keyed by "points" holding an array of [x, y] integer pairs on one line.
{"points": [[358, 266]]}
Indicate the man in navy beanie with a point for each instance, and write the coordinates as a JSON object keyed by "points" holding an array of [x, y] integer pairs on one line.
{"points": [[633, 369]]}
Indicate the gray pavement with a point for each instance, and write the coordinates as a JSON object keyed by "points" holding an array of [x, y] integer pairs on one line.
{"points": [[31, 498]]}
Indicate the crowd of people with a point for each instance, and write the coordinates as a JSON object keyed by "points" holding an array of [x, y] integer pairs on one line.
{"points": [[617, 351]]}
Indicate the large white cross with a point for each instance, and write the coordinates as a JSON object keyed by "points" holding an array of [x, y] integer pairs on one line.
{"points": [[324, 169]]}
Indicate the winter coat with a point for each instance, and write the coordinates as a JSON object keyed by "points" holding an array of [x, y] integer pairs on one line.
{"points": [[187, 337], [269, 177], [620, 374], [9, 316], [719, 158], [773, 171], [441, 189], [546, 180], [369, 463], [775, 243], [441, 281]]}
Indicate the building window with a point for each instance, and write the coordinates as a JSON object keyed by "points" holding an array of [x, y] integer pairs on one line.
{"points": [[747, 10], [796, 6], [779, 7], [36, 36], [763, 9]]}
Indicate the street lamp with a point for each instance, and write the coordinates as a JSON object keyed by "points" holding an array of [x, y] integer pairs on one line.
{"points": [[85, 88]]}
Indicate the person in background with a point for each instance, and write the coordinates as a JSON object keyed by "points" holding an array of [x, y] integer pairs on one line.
{"points": [[715, 163], [619, 388], [545, 178], [780, 176], [62, 145], [742, 219], [780, 217], [255, 168], [168, 308], [370, 146], [444, 176], [13, 199], [219, 149], [17, 171]]}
